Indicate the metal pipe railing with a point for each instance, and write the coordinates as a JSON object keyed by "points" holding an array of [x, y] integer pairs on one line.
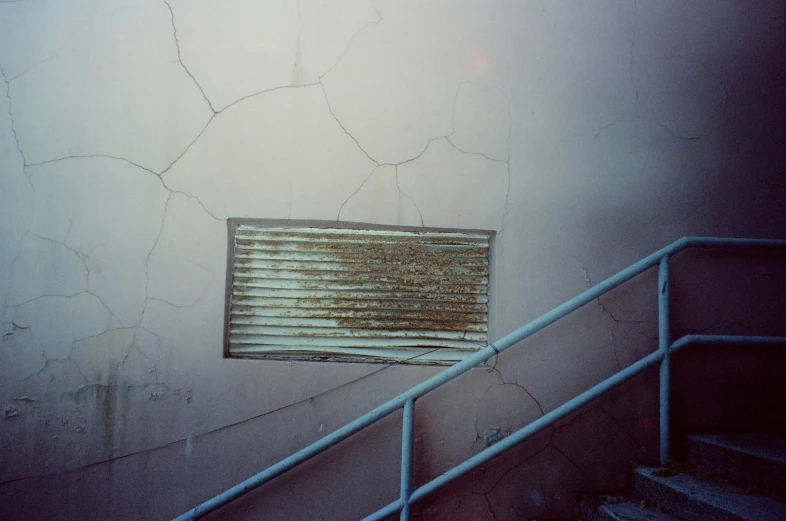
{"points": [[577, 403], [402, 504], [664, 338], [407, 433]]}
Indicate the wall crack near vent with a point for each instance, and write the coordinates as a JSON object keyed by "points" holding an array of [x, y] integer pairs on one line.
{"points": [[402, 192], [11, 113], [147, 260], [327, 101], [180, 58]]}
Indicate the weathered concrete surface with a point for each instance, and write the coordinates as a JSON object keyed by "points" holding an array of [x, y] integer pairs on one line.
{"points": [[748, 460], [585, 134], [623, 511], [695, 500]]}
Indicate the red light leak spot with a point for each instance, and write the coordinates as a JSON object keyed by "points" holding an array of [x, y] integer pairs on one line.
{"points": [[479, 61]]}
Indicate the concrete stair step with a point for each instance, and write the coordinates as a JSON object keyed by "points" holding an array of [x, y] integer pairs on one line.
{"points": [[695, 499], [623, 509], [750, 461]]}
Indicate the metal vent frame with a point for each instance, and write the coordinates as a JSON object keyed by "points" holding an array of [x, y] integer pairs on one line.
{"points": [[254, 251]]}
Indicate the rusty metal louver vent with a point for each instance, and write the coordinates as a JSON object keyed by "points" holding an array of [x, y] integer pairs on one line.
{"points": [[356, 294]]}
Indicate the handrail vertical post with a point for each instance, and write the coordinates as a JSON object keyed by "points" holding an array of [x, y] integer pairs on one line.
{"points": [[407, 429], [664, 342]]}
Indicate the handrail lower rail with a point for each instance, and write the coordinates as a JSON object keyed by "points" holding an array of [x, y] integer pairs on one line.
{"points": [[659, 257]]}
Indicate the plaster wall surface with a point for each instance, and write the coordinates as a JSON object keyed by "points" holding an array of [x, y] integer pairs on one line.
{"points": [[586, 134]]}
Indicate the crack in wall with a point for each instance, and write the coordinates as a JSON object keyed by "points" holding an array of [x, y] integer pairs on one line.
{"points": [[14, 261], [196, 199], [179, 306], [36, 65], [520, 464], [570, 460], [366, 180], [66, 42], [631, 75], [614, 319], [133, 345], [180, 58], [402, 192], [221, 111], [516, 384], [57, 295], [614, 327], [48, 364], [352, 39], [330, 109], [81, 255], [665, 127], [11, 114], [489, 507], [188, 147], [137, 165], [507, 190], [623, 428], [707, 131], [297, 67], [481, 154], [89, 156], [149, 254], [426, 147]]}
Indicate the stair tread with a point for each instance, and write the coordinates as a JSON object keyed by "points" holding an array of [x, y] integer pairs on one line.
{"points": [[720, 497], [628, 511], [771, 447], [605, 507]]}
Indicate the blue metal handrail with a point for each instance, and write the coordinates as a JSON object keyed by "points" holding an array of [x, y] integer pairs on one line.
{"points": [[407, 399]]}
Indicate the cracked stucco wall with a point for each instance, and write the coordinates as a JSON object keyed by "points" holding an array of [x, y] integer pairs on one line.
{"points": [[587, 134]]}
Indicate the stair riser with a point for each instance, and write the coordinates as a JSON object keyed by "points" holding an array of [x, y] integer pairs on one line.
{"points": [[743, 470]]}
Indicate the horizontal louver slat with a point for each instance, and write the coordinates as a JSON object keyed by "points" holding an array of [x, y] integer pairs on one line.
{"points": [[359, 293], [381, 314], [338, 269], [268, 342]]}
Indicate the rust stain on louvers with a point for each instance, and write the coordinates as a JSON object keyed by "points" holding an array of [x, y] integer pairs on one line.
{"points": [[402, 314], [403, 324], [369, 304], [432, 283], [246, 267]]}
